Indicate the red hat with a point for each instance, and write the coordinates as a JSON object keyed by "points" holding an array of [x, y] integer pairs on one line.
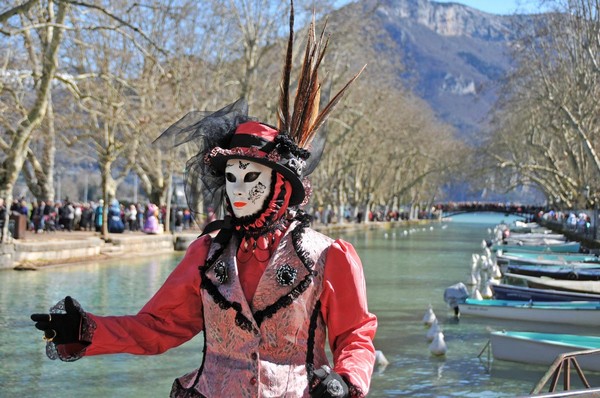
{"points": [[264, 144]]}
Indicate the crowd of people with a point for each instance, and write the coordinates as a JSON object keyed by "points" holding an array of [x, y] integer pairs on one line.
{"points": [[327, 215], [579, 222], [50, 216]]}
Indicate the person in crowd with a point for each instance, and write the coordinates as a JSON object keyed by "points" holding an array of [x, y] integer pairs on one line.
{"points": [[115, 222], [87, 217], [151, 225], [32, 216], [270, 291], [69, 215], [23, 208], [131, 217], [38, 217], [15, 207], [78, 213], [178, 219], [187, 219], [51, 216], [140, 216], [2, 211], [98, 215]]}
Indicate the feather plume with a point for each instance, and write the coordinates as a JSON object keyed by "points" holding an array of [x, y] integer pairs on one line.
{"points": [[284, 98], [329, 107], [305, 118], [303, 88]]}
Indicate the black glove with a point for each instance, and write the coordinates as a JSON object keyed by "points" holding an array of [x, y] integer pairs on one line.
{"points": [[328, 384], [60, 328]]}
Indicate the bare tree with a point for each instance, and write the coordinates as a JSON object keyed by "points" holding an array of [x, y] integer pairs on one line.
{"points": [[549, 135], [40, 26]]}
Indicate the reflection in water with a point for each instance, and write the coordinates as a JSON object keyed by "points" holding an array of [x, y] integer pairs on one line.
{"points": [[406, 271]]}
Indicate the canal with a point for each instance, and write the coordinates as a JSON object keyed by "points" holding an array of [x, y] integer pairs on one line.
{"points": [[406, 270]]}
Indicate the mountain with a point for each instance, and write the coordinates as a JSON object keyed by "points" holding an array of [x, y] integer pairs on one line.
{"points": [[453, 56]]}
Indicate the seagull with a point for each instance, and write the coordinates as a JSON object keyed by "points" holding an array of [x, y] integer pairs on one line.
{"points": [[380, 359], [438, 345], [429, 316], [487, 291], [433, 331]]}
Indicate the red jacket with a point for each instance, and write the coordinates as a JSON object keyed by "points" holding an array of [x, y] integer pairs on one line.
{"points": [[176, 312]]}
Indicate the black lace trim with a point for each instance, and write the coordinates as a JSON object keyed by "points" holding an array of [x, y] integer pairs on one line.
{"points": [[289, 298], [259, 316], [177, 391], [353, 391], [310, 342], [297, 233], [86, 334], [240, 320], [283, 301]]}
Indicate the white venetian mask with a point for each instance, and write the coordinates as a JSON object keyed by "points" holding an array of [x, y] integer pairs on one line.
{"points": [[248, 184]]}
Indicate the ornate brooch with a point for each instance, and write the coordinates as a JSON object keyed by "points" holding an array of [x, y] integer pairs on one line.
{"points": [[221, 271], [286, 275]]}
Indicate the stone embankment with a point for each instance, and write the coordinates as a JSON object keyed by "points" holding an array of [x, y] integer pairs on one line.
{"points": [[35, 251], [38, 250]]}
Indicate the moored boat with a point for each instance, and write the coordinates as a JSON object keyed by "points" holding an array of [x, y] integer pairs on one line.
{"points": [[538, 235], [579, 271], [543, 348], [533, 241], [558, 284], [503, 291], [545, 258], [565, 247], [569, 313]]}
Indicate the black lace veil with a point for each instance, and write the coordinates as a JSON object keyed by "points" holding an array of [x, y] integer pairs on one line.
{"points": [[204, 185]]}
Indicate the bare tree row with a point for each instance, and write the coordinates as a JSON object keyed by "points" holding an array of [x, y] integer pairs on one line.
{"points": [[548, 126], [101, 79]]}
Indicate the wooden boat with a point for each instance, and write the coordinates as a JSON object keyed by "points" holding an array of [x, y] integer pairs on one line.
{"points": [[543, 348], [579, 271], [523, 293], [566, 312], [558, 284], [566, 247]]}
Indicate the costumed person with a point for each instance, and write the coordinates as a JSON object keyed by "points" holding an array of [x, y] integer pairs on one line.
{"points": [[267, 291], [115, 222], [98, 215], [151, 225]]}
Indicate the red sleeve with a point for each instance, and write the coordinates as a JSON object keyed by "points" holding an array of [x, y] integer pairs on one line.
{"points": [[172, 317], [350, 326]]}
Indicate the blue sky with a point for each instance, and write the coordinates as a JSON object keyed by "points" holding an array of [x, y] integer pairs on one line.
{"points": [[501, 7]]}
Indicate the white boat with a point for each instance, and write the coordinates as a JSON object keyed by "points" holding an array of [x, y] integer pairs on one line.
{"points": [[533, 241], [585, 313], [543, 348], [538, 235], [563, 247], [513, 258], [544, 282]]}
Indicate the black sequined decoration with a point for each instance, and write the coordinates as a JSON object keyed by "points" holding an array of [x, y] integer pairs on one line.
{"points": [[286, 275], [221, 272], [301, 287], [206, 284]]}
